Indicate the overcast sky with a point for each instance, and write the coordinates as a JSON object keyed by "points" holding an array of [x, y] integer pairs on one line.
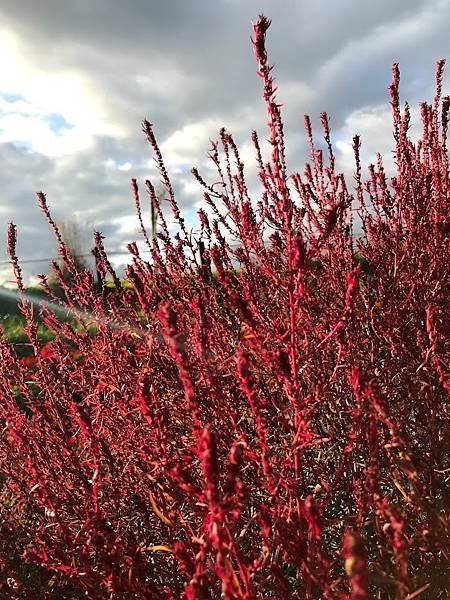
{"points": [[77, 77]]}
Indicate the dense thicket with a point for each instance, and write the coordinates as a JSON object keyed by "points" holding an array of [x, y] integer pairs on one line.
{"points": [[259, 419]]}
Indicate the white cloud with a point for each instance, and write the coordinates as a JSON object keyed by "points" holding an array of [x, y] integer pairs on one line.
{"points": [[190, 144], [39, 96], [387, 39], [127, 225], [374, 126]]}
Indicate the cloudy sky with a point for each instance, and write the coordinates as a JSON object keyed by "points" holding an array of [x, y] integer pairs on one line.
{"points": [[78, 76]]}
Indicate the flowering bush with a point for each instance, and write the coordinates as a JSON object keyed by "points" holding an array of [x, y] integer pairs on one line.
{"points": [[260, 420]]}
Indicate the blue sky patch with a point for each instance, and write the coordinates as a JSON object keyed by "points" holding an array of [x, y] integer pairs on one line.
{"points": [[12, 97], [57, 123]]}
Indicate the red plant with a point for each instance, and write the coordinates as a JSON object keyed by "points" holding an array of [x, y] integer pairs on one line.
{"points": [[260, 421]]}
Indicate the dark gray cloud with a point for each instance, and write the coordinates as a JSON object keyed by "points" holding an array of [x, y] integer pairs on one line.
{"points": [[189, 68]]}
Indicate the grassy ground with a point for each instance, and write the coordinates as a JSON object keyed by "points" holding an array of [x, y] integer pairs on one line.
{"points": [[12, 321], [13, 331]]}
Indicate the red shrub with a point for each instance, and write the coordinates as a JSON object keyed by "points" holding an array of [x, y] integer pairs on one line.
{"points": [[260, 421]]}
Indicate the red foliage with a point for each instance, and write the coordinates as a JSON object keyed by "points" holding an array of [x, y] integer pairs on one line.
{"points": [[260, 421]]}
